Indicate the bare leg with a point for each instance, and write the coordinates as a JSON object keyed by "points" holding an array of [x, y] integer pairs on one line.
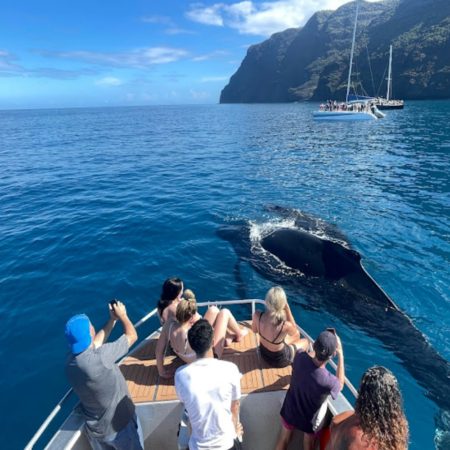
{"points": [[284, 438], [300, 344], [309, 441], [224, 321], [211, 315]]}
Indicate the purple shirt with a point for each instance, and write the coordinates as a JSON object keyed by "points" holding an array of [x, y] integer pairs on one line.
{"points": [[310, 386]]}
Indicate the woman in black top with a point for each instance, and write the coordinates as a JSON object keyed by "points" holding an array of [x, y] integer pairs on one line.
{"points": [[278, 332]]}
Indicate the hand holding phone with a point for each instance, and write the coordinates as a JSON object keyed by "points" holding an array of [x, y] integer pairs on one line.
{"points": [[113, 303]]}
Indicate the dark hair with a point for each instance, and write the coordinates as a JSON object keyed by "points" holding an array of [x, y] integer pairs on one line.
{"points": [[380, 409], [200, 337], [171, 289], [325, 346]]}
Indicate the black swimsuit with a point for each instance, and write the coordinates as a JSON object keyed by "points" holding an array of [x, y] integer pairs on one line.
{"points": [[279, 358]]}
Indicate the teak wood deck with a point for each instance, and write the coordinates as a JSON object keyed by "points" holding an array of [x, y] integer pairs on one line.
{"points": [[145, 385]]}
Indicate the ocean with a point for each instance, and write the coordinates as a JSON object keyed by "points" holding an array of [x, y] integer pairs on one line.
{"points": [[108, 202]]}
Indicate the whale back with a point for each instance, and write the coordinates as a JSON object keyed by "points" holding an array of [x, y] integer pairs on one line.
{"points": [[339, 260], [293, 249], [310, 254]]}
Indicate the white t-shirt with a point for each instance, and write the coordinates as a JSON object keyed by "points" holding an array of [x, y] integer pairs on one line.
{"points": [[207, 387]]}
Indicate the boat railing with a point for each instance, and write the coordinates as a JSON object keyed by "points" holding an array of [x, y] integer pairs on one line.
{"points": [[139, 323]]}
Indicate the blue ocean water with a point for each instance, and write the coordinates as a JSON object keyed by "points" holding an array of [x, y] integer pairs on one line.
{"points": [[102, 203]]}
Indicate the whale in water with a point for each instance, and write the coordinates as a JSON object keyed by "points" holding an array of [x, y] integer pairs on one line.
{"points": [[331, 277], [317, 257]]}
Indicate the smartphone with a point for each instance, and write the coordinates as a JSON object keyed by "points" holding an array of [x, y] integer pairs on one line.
{"points": [[113, 303], [331, 330]]}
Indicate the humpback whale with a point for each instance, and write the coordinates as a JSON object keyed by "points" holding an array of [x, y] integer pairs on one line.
{"points": [[331, 275], [317, 257]]}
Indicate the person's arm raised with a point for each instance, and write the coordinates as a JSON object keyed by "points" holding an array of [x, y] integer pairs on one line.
{"points": [[289, 315], [102, 335], [340, 370], [120, 312]]}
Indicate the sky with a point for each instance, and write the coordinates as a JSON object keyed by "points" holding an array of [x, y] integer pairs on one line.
{"points": [[136, 52]]}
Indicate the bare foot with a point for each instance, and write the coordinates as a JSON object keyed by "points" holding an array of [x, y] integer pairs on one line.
{"points": [[241, 335], [228, 341]]}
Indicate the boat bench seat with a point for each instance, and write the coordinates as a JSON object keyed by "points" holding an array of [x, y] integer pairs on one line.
{"points": [[145, 385]]}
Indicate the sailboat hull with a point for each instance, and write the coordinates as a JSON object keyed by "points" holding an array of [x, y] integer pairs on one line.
{"points": [[343, 115], [387, 106]]}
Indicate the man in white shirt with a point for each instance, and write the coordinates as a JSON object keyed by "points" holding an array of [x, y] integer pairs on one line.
{"points": [[210, 390]]}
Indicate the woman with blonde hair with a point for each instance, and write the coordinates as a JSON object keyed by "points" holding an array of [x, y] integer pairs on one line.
{"points": [[278, 332], [226, 329]]}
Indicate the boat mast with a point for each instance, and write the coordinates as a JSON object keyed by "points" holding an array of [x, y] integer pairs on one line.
{"points": [[351, 53], [389, 79]]}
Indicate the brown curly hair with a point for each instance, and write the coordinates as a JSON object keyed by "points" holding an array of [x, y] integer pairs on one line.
{"points": [[380, 409]]}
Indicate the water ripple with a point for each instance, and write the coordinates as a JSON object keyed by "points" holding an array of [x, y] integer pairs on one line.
{"points": [[98, 203]]}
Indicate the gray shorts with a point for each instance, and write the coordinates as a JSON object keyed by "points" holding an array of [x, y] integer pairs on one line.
{"points": [[129, 438]]}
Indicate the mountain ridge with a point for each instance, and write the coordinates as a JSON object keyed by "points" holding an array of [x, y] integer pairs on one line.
{"points": [[311, 62]]}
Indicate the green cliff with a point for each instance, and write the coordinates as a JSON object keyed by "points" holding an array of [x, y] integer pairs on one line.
{"points": [[311, 63]]}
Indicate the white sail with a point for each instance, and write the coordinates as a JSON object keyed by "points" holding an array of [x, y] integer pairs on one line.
{"points": [[350, 110]]}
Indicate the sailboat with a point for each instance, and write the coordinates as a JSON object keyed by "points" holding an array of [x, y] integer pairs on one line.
{"points": [[357, 109], [388, 103]]}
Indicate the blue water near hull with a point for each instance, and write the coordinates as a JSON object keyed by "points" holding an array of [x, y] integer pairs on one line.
{"points": [[102, 203]]}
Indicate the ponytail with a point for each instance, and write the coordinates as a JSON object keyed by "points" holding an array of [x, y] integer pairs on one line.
{"points": [[275, 302]]}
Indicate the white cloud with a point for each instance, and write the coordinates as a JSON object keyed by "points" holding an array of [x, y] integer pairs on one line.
{"points": [[214, 79], [8, 62], [207, 56], [208, 15], [162, 20], [172, 28], [139, 58], [176, 30], [262, 19], [199, 96], [10, 68], [109, 81]]}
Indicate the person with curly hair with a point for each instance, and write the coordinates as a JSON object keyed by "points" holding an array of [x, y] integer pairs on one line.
{"points": [[378, 422]]}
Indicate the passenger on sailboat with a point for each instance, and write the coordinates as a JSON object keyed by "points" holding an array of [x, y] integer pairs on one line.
{"points": [[278, 332], [383, 427]]}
